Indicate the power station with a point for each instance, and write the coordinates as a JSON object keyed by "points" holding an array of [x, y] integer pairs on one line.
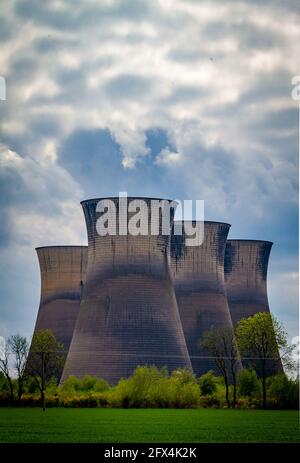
{"points": [[128, 315], [198, 273], [246, 267], [134, 298], [63, 272]]}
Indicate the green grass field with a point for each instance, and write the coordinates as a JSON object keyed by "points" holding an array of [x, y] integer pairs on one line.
{"points": [[147, 425]]}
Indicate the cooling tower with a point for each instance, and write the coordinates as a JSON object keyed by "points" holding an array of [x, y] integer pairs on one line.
{"points": [[198, 273], [246, 266], [63, 270], [128, 314]]}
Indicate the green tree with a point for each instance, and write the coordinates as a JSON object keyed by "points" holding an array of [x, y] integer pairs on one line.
{"points": [[207, 383], [259, 338], [221, 344], [248, 384], [45, 360], [18, 347], [284, 390]]}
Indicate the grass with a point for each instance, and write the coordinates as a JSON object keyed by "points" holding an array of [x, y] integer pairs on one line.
{"points": [[147, 425]]}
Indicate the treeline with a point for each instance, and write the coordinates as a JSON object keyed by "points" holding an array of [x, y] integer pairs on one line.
{"points": [[256, 341], [150, 387]]}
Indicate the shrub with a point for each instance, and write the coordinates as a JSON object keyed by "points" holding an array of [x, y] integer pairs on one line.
{"points": [[101, 385], [30, 385], [89, 401], [209, 401], [137, 390], [161, 394], [283, 392], [87, 384], [52, 387], [187, 396], [248, 383], [207, 383], [70, 386], [151, 387], [183, 376]]}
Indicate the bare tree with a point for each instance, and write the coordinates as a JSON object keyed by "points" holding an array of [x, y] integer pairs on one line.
{"points": [[221, 344], [4, 367], [18, 347]]}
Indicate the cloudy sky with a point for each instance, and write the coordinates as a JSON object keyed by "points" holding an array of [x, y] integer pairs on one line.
{"points": [[187, 99]]}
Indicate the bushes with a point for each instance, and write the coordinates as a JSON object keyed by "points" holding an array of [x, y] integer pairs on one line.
{"points": [[207, 401], [283, 392], [248, 384], [78, 401], [207, 383], [152, 387], [88, 384]]}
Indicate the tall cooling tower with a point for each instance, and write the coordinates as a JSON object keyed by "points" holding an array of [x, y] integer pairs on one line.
{"points": [[63, 271], [246, 266], [128, 315], [198, 273]]}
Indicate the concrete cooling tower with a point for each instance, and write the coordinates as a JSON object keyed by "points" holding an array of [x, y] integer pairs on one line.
{"points": [[198, 273], [63, 271], [128, 314], [246, 266]]}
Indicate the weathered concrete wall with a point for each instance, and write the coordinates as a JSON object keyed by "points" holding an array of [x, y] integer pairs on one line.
{"points": [[63, 272], [246, 266], [198, 273], [128, 315]]}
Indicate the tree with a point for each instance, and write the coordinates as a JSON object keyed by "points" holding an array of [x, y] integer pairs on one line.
{"points": [[18, 347], [45, 360], [259, 339], [221, 344], [284, 390], [207, 383], [5, 368], [248, 383]]}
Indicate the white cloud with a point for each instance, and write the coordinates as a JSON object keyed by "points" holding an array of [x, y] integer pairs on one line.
{"points": [[223, 71], [213, 75]]}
